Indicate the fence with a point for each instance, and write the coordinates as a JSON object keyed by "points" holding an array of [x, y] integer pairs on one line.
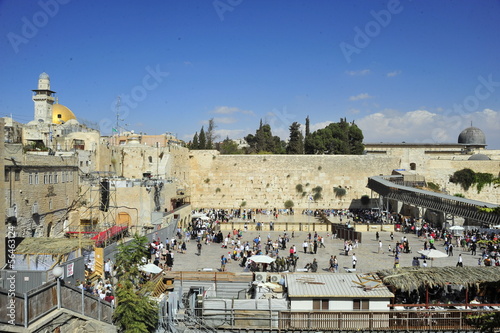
{"points": [[24, 309], [300, 321]]}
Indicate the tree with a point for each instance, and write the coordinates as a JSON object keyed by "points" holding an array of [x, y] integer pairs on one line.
{"points": [[308, 132], [202, 139], [365, 200], [336, 138], [229, 147], [211, 137], [194, 145], [296, 142], [263, 141], [135, 312]]}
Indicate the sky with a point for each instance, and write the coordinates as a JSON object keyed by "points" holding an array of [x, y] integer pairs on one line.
{"points": [[403, 71]]}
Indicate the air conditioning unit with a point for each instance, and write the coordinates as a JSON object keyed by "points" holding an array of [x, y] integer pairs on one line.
{"points": [[275, 278], [260, 277]]}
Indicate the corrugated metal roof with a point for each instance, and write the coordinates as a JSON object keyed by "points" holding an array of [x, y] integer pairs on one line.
{"points": [[332, 285]]}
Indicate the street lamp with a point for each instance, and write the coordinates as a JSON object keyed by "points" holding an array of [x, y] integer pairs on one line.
{"points": [[58, 272]]}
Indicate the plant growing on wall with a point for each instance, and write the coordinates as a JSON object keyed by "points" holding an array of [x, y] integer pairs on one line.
{"points": [[243, 204], [460, 195], [299, 188], [365, 200], [467, 177], [207, 180], [288, 204], [317, 193], [433, 186], [339, 192], [217, 190]]}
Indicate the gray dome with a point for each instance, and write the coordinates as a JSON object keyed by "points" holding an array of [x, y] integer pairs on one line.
{"points": [[43, 76], [479, 157], [472, 136]]}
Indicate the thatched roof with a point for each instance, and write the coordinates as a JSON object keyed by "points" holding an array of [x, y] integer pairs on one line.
{"points": [[409, 278], [51, 246]]}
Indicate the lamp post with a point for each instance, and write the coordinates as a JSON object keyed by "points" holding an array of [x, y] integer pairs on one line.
{"points": [[58, 272]]}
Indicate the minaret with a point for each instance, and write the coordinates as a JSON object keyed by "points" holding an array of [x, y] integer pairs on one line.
{"points": [[43, 99]]}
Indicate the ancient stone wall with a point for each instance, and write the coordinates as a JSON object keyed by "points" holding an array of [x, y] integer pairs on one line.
{"points": [[267, 181]]}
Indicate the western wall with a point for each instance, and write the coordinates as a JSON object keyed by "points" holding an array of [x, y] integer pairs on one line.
{"points": [[267, 181]]}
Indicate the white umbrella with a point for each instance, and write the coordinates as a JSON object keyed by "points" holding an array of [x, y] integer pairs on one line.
{"points": [[150, 268], [261, 259], [496, 226], [196, 215], [457, 228], [433, 253]]}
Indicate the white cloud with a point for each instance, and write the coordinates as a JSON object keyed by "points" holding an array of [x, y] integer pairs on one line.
{"points": [[394, 73], [359, 97], [360, 72], [230, 110], [224, 120], [422, 126]]}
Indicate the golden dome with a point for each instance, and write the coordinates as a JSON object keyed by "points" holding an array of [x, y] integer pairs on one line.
{"points": [[61, 114]]}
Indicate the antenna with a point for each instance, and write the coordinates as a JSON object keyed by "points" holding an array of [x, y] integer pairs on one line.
{"points": [[118, 100]]}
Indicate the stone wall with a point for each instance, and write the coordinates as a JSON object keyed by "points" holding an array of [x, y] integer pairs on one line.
{"points": [[267, 181]]}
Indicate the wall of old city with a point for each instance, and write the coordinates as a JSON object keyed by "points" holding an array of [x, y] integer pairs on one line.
{"points": [[267, 181]]}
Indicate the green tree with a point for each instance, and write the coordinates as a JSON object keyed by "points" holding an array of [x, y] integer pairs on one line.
{"points": [[229, 147], [365, 200], [464, 177], [202, 140], [194, 144], [296, 142], [336, 138], [308, 131], [135, 312], [264, 142]]}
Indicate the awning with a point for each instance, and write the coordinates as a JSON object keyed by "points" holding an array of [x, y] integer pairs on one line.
{"points": [[108, 234]]}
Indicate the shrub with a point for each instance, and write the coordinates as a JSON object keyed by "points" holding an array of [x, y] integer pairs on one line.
{"points": [[365, 200], [464, 177], [339, 192], [288, 204], [299, 188], [433, 186]]}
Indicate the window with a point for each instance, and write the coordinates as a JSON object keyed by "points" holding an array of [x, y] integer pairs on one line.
{"points": [[320, 304], [30, 178], [150, 158], [7, 175], [56, 178], [36, 178], [413, 166], [45, 179], [50, 204], [17, 175], [51, 179], [360, 304]]}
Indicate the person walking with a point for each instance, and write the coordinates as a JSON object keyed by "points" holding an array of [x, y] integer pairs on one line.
{"points": [[460, 261], [198, 246], [223, 262], [380, 247], [305, 245], [354, 261], [332, 264], [450, 250]]}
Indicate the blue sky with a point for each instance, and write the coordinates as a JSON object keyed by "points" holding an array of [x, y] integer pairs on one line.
{"points": [[413, 71]]}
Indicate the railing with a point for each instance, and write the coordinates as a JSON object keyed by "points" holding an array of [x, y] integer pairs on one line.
{"points": [[395, 320], [25, 309]]}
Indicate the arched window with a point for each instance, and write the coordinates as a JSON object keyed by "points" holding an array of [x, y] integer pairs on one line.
{"points": [[150, 159], [413, 166]]}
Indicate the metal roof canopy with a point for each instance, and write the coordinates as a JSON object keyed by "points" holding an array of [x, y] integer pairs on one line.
{"points": [[437, 201]]}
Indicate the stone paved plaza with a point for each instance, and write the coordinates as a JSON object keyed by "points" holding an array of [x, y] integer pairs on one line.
{"points": [[368, 260]]}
